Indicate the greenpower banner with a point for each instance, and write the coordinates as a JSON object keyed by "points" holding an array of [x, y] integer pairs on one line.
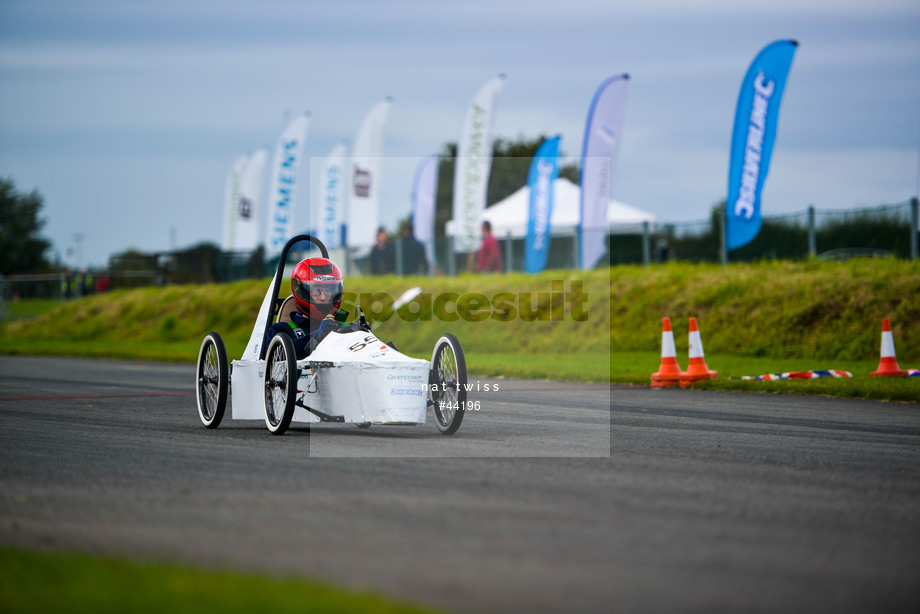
{"points": [[474, 162]]}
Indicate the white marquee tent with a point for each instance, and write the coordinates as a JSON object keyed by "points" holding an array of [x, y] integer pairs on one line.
{"points": [[511, 214]]}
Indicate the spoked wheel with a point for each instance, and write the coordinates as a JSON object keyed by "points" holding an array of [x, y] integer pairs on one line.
{"points": [[281, 375], [448, 368], [212, 377]]}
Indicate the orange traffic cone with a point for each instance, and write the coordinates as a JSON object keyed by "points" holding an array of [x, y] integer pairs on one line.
{"points": [[669, 372], [888, 364], [697, 371]]}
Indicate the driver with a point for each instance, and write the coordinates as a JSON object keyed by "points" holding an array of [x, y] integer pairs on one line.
{"points": [[318, 288]]}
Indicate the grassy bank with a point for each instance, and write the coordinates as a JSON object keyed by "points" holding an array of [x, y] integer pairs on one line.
{"points": [[35, 582], [754, 319]]}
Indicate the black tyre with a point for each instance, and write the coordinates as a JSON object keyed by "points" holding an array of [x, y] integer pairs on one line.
{"points": [[212, 380], [449, 370], [281, 375]]}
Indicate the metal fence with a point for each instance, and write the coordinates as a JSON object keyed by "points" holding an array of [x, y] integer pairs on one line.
{"points": [[836, 233], [808, 233], [888, 230]]}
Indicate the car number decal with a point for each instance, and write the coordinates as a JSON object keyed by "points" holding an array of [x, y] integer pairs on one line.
{"points": [[360, 345]]}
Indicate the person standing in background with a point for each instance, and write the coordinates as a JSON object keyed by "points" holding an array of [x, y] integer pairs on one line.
{"points": [[413, 253], [489, 257], [382, 260]]}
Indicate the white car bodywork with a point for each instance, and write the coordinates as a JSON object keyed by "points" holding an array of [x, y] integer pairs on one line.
{"points": [[352, 375]]}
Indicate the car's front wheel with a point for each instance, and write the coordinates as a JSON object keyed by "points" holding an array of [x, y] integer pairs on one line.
{"points": [[280, 387]]}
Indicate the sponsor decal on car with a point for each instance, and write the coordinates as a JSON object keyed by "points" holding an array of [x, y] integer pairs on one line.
{"points": [[405, 378], [406, 392], [360, 345]]}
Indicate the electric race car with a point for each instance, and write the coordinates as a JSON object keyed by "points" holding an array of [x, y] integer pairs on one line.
{"points": [[350, 378]]}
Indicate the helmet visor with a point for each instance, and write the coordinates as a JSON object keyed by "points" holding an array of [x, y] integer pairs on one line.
{"points": [[319, 293]]}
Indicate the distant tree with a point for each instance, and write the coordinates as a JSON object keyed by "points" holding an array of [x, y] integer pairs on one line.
{"points": [[196, 264], [880, 230], [699, 246], [132, 260], [510, 166], [23, 247]]}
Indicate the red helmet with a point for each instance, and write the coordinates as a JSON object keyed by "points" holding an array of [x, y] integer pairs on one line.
{"points": [[318, 287]]}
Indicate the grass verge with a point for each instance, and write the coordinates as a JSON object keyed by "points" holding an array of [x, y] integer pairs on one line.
{"points": [[768, 317], [33, 582], [31, 308]]}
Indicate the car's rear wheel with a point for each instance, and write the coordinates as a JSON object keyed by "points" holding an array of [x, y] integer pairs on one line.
{"points": [[280, 387], [212, 377], [448, 369]]}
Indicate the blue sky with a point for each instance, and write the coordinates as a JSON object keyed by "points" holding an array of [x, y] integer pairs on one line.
{"points": [[127, 116]]}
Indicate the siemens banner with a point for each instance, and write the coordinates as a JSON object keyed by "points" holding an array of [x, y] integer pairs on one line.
{"points": [[756, 118], [282, 192], [329, 215], [543, 172]]}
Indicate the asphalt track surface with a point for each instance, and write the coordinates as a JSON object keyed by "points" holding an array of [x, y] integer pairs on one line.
{"points": [[552, 498]]}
